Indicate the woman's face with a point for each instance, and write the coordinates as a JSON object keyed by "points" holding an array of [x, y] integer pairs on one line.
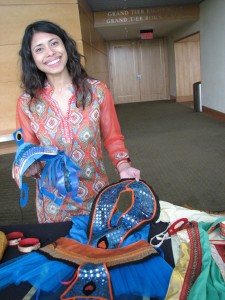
{"points": [[49, 53]]}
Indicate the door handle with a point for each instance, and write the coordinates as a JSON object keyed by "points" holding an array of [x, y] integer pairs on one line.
{"points": [[138, 76]]}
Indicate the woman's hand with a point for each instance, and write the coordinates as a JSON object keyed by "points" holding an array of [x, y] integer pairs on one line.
{"points": [[33, 171], [126, 171]]}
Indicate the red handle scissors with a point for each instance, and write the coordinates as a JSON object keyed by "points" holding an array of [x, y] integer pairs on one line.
{"points": [[177, 225]]}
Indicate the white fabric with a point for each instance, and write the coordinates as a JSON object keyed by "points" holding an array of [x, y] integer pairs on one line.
{"points": [[217, 258], [170, 213]]}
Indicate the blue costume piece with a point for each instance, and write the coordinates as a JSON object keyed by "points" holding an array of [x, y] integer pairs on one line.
{"points": [[105, 256], [142, 209], [58, 171]]}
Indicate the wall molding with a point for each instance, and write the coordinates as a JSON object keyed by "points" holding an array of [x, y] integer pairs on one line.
{"points": [[214, 113], [184, 98]]}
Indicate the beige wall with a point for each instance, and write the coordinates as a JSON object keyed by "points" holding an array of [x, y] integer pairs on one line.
{"points": [[15, 15], [95, 50], [212, 54]]}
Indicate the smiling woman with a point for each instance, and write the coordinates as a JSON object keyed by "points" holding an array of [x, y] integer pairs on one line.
{"points": [[49, 53], [63, 107]]}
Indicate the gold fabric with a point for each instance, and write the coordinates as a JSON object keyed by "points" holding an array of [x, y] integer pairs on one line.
{"points": [[3, 244], [179, 272]]}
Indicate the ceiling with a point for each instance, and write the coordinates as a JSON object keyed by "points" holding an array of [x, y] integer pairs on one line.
{"points": [[161, 29]]}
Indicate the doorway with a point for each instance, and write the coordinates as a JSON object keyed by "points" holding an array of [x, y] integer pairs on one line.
{"points": [[138, 70]]}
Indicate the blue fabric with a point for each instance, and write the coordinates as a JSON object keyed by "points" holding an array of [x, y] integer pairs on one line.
{"points": [[24, 194], [144, 278], [36, 269], [27, 154], [149, 278], [78, 231], [59, 172]]}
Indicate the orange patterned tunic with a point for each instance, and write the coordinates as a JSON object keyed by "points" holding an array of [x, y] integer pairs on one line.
{"points": [[78, 134]]}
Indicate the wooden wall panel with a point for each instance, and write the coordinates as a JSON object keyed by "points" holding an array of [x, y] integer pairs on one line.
{"points": [[86, 20], [22, 2], [188, 70], [14, 19], [88, 58], [9, 93], [96, 63], [9, 147], [9, 62], [99, 61], [95, 50], [97, 41]]}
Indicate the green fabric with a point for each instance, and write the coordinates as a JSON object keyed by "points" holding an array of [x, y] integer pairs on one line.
{"points": [[210, 284]]}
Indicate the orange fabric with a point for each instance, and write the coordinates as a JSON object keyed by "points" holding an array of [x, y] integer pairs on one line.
{"points": [[78, 134], [111, 131], [23, 121], [110, 128], [78, 253]]}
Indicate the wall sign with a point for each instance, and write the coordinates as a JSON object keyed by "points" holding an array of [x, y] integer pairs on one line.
{"points": [[146, 15]]}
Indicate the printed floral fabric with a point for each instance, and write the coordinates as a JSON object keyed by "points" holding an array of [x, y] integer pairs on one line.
{"points": [[79, 134]]}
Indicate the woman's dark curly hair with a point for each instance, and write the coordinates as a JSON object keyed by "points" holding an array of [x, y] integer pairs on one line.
{"points": [[33, 79]]}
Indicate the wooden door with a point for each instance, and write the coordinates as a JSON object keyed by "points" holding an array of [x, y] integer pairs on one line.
{"points": [[138, 70], [123, 66], [153, 70]]}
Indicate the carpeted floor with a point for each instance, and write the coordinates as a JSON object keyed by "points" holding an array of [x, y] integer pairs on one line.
{"points": [[180, 154], [11, 212]]}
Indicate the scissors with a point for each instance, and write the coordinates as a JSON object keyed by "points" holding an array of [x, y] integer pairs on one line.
{"points": [[170, 230]]}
